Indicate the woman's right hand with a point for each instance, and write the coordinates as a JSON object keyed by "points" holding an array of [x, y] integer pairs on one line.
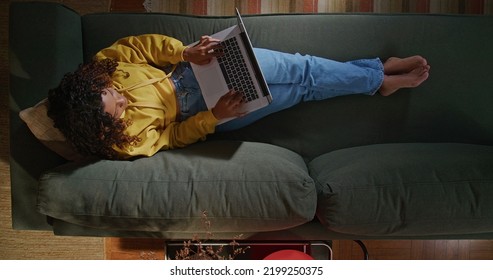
{"points": [[229, 105], [203, 51]]}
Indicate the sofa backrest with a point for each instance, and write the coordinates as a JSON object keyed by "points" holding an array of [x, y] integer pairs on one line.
{"points": [[454, 105]]}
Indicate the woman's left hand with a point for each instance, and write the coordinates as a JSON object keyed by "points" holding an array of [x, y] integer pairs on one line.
{"points": [[229, 105], [203, 51]]}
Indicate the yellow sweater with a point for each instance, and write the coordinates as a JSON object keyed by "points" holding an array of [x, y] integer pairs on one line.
{"points": [[153, 108]]}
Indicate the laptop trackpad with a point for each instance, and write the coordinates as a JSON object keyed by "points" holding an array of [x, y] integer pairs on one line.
{"points": [[211, 81]]}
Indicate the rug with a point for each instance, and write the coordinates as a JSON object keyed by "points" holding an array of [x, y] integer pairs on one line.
{"points": [[227, 7]]}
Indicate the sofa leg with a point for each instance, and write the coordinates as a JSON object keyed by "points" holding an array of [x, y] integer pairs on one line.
{"points": [[363, 248]]}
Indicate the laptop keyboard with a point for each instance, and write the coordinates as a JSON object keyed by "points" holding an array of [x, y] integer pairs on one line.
{"points": [[235, 70]]}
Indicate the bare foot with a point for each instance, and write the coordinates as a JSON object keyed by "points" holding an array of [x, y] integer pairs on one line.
{"points": [[392, 83], [395, 65]]}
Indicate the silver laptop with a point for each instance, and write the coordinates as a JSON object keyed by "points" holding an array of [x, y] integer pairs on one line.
{"points": [[236, 70]]}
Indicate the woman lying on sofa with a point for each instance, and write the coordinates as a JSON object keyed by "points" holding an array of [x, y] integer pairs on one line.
{"points": [[122, 104]]}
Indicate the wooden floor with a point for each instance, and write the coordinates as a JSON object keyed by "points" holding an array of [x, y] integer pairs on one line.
{"points": [[153, 249]]}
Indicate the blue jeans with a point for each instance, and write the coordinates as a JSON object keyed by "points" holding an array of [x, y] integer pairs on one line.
{"points": [[188, 94], [292, 78]]}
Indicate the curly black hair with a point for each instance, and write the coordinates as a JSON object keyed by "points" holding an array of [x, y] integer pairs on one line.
{"points": [[77, 110]]}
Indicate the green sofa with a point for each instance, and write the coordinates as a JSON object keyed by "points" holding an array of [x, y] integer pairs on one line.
{"points": [[416, 165]]}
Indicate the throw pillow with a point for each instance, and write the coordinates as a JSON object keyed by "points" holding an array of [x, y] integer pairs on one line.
{"points": [[43, 128]]}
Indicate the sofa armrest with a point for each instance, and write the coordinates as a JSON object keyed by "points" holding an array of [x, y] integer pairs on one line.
{"points": [[45, 42]]}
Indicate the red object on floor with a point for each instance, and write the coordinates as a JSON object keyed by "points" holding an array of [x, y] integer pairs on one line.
{"points": [[288, 255]]}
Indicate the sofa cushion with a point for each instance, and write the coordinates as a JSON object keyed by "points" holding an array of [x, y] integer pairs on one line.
{"points": [[243, 187], [406, 189]]}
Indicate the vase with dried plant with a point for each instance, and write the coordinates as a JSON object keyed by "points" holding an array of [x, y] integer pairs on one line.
{"points": [[203, 249]]}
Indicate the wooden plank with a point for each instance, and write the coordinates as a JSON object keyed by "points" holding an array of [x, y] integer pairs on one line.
{"points": [[464, 248], [134, 249], [452, 250], [417, 249]]}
